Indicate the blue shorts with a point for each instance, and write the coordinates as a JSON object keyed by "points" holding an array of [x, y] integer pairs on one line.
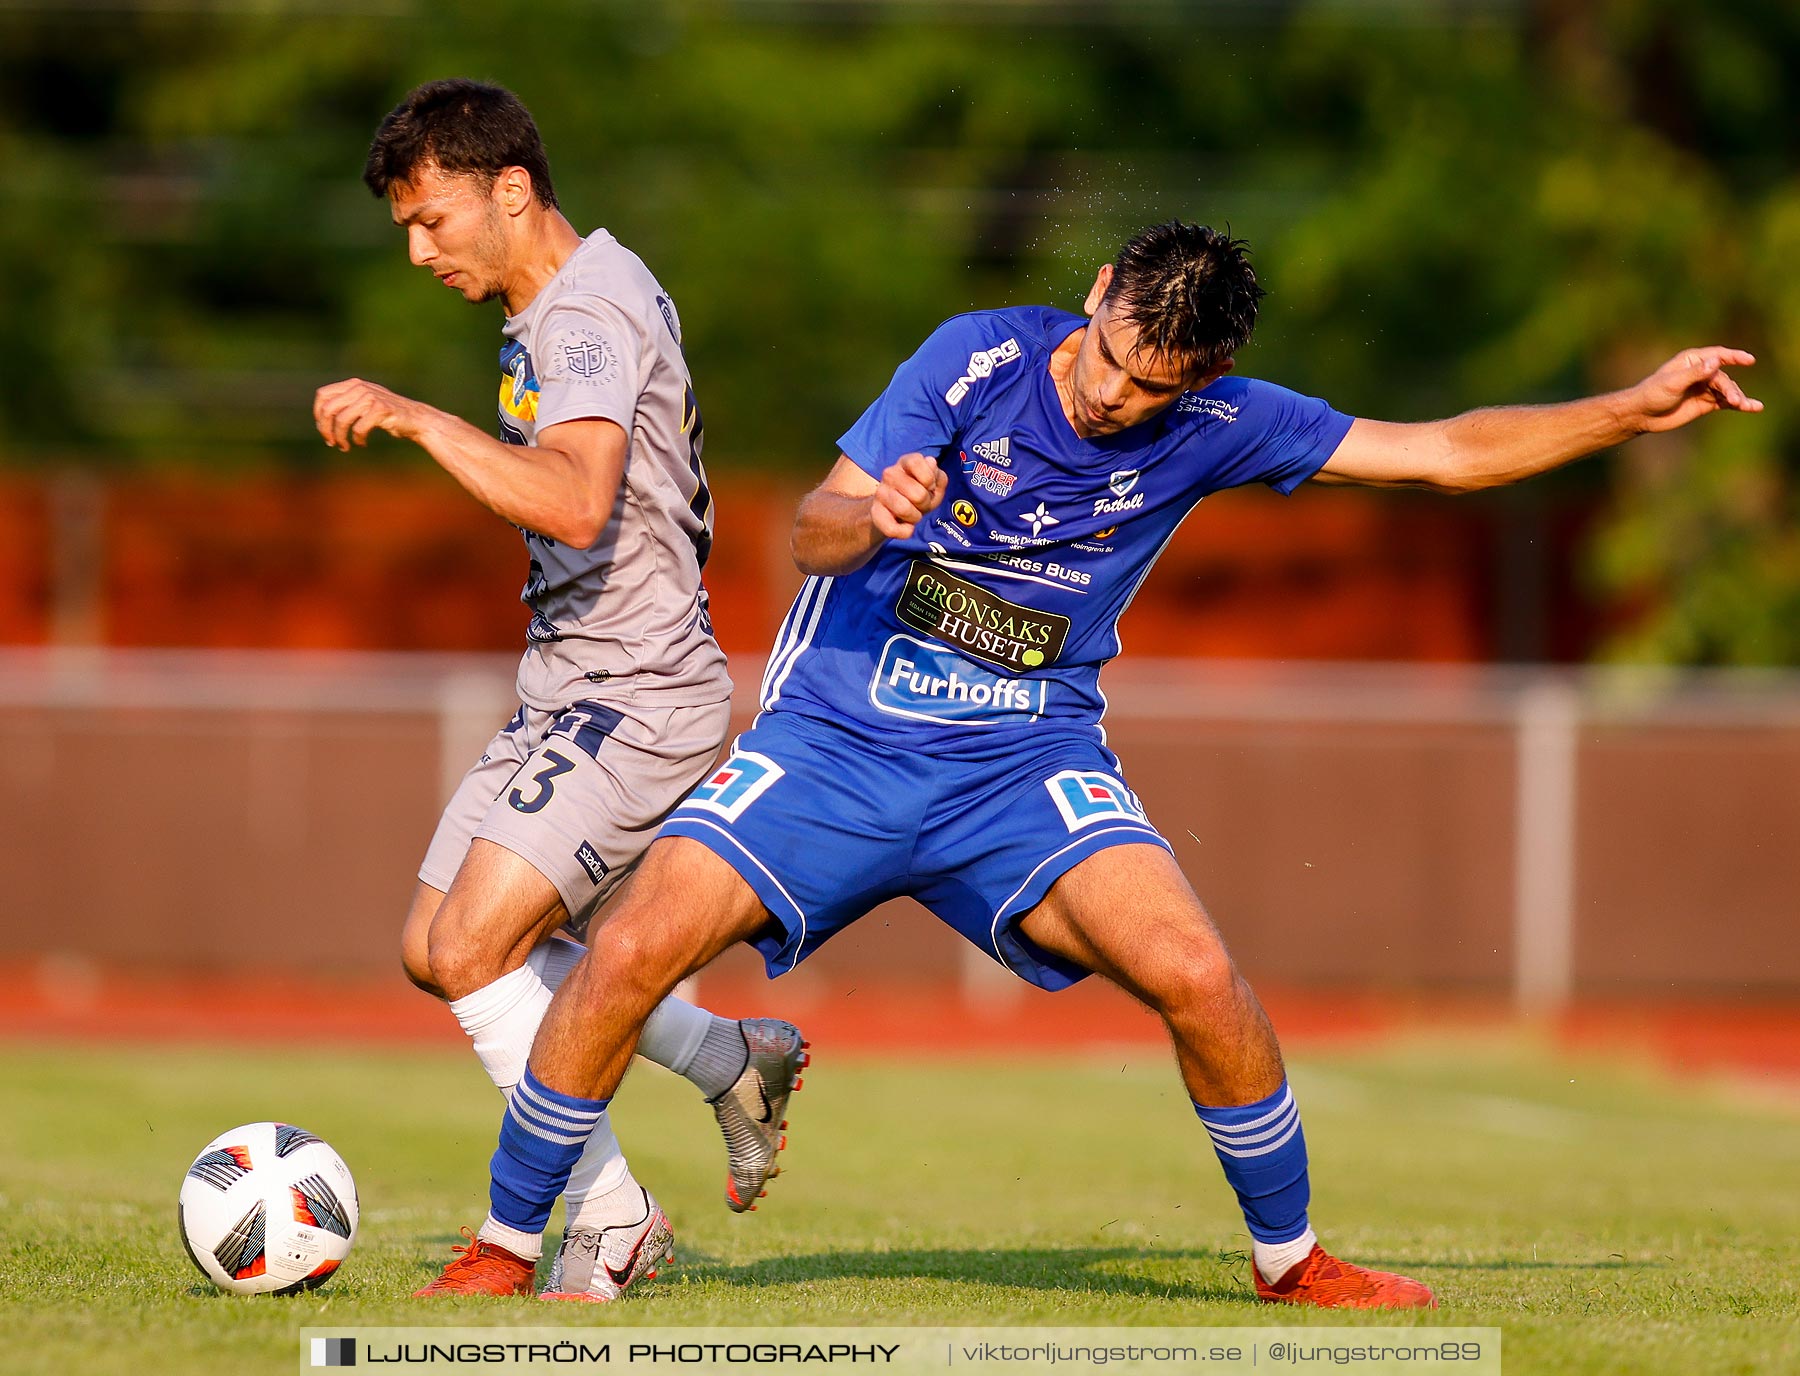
{"points": [[824, 824]]}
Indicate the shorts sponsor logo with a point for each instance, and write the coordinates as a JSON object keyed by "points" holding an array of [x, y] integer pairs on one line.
{"points": [[734, 785], [591, 862], [982, 364], [979, 622], [991, 479], [587, 724], [1195, 405], [926, 682], [964, 512], [1084, 798]]}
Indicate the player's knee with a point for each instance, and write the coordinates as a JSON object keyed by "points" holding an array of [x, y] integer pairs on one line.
{"points": [[1189, 974], [458, 964], [415, 959], [635, 955]]}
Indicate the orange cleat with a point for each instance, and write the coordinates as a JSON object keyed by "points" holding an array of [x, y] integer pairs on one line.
{"points": [[482, 1268], [1322, 1280]]}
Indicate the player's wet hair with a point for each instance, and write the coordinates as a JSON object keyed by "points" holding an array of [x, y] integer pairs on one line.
{"points": [[1189, 291], [460, 126]]}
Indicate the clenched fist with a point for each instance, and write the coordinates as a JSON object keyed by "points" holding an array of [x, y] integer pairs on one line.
{"points": [[910, 486]]}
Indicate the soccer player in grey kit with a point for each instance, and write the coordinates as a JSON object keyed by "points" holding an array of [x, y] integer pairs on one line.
{"points": [[624, 697]]}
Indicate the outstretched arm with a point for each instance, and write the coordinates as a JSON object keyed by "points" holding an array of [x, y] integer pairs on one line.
{"points": [[843, 520], [564, 486], [1506, 444]]}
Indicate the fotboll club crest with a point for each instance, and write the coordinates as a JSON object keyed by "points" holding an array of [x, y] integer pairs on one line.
{"points": [[1122, 481]]}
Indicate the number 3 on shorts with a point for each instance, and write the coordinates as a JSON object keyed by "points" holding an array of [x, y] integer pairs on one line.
{"points": [[545, 779]]}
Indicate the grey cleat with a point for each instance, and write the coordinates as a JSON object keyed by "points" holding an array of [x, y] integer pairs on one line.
{"points": [[597, 1264], [753, 1112]]}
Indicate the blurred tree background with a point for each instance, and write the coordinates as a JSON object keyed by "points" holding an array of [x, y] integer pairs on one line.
{"points": [[1453, 204]]}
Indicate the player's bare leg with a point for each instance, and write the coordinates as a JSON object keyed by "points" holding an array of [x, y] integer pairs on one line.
{"points": [[415, 938], [683, 907], [1128, 913], [492, 954]]}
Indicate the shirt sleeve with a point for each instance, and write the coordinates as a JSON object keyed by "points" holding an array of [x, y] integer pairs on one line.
{"points": [[587, 353], [1290, 437], [918, 411]]}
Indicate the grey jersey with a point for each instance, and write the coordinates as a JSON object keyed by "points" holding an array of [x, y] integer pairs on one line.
{"points": [[628, 616]]}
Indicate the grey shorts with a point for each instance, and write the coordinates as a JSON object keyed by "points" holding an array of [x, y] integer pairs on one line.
{"points": [[578, 794]]}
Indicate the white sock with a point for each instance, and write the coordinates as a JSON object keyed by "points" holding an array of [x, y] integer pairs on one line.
{"points": [[673, 1033], [502, 1020], [554, 958], [529, 1246], [1275, 1259], [614, 1197], [674, 1030]]}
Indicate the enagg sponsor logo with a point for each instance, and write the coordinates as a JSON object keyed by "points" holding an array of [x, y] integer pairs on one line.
{"points": [[927, 682], [977, 621], [1226, 411], [982, 364]]}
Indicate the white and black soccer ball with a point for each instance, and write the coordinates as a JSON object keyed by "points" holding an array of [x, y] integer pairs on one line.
{"points": [[268, 1209]]}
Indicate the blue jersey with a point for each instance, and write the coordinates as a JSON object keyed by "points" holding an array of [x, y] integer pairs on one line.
{"points": [[998, 612]]}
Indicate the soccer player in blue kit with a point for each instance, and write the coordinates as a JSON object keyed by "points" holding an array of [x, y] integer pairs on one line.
{"points": [[931, 712]]}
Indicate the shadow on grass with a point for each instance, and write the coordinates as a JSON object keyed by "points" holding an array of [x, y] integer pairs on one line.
{"points": [[1085, 1270], [1222, 1275]]}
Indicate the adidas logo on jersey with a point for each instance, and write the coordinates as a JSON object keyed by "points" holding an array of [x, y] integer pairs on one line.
{"points": [[997, 452]]}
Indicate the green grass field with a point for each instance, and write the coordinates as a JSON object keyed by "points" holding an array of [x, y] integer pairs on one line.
{"points": [[1607, 1219]]}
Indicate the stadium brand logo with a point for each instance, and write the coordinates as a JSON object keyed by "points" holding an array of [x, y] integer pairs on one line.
{"points": [[334, 1351], [1085, 798], [925, 682], [1122, 481], [734, 785], [1208, 406], [979, 622], [997, 452], [1038, 519], [982, 364], [591, 861]]}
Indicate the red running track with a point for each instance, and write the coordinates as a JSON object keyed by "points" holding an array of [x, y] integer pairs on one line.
{"points": [[72, 1002]]}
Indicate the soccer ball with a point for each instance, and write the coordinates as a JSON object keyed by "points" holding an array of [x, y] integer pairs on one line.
{"points": [[268, 1209]]}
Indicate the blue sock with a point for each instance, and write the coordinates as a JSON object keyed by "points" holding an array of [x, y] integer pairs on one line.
{"points": [[541, 1139], [1263, 1152]]}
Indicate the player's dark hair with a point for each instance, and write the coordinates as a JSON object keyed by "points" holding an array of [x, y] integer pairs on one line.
{"points": [[1189, 290], [461, 126]]}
